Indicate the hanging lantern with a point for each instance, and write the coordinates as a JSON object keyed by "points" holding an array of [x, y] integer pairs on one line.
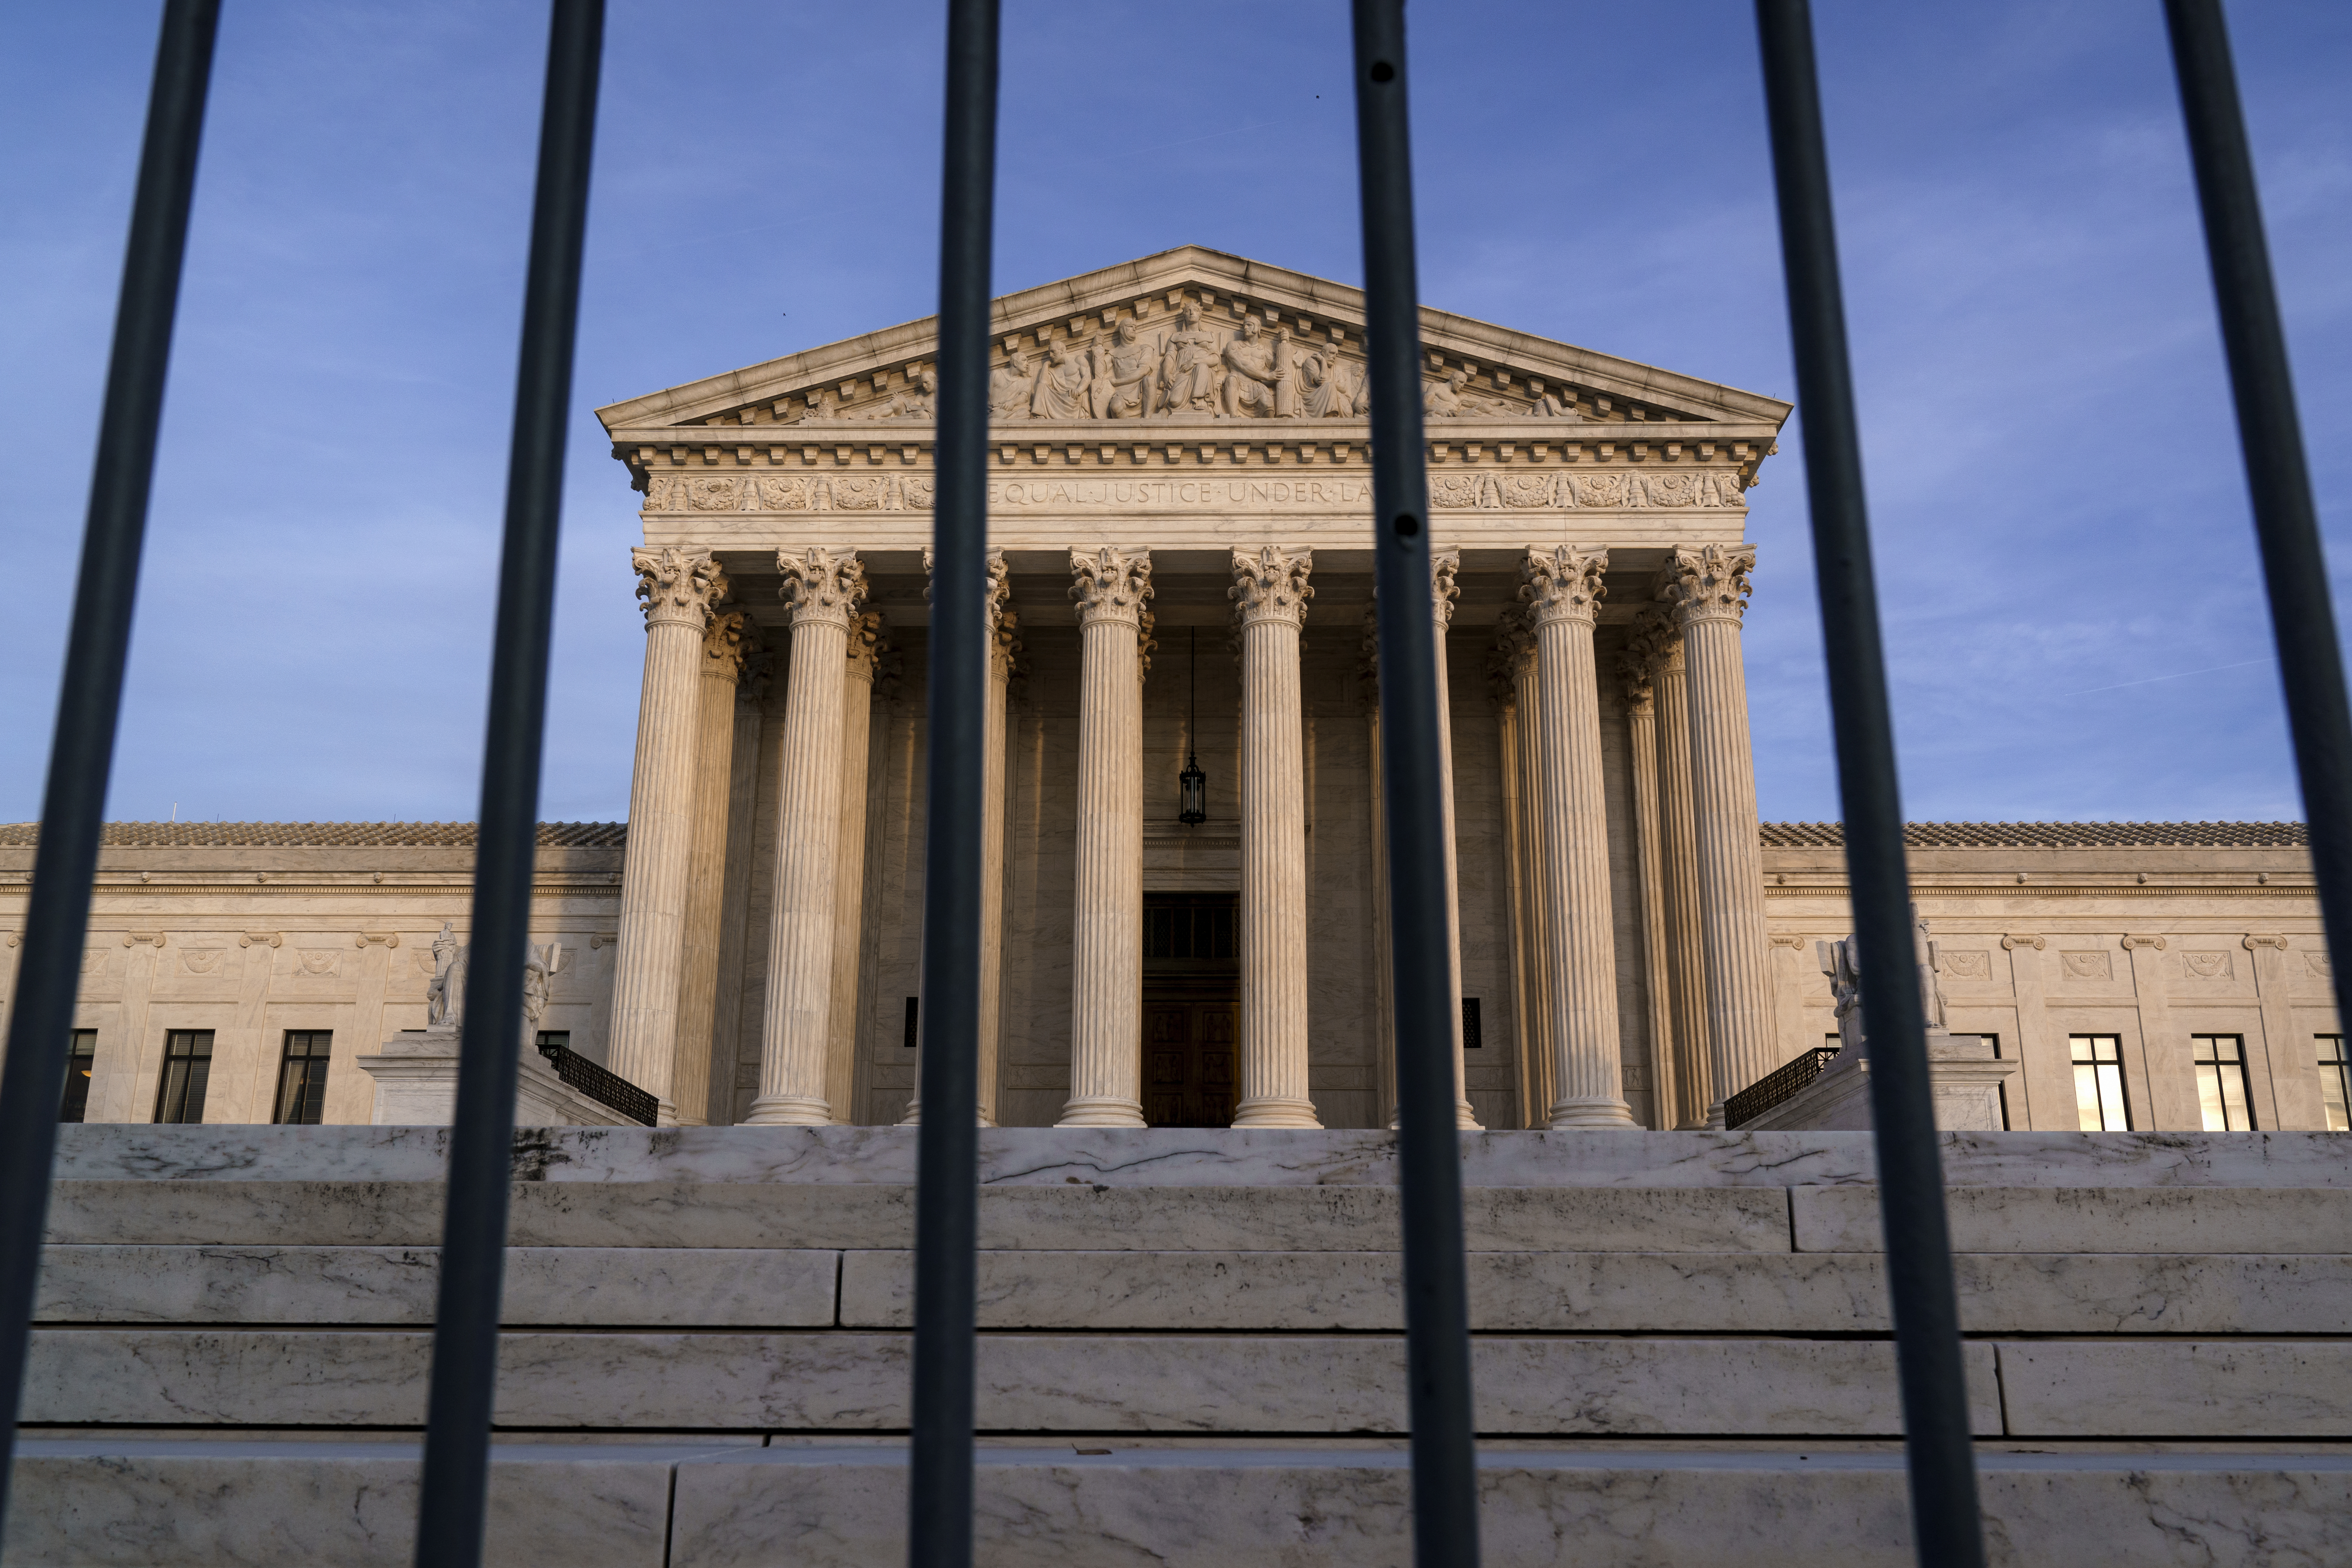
{"points": [[1192, 784]]}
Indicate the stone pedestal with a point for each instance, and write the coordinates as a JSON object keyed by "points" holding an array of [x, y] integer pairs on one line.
{"points": [[1967, 1078], [416, 1086]]}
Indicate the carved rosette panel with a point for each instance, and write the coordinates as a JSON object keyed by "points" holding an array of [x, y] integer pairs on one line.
{"points": [[1563, 583], [822, 584], [722, 646], [1108, 584], [1271, 585], [1709, 584], [677, 586], [1443, 564]]}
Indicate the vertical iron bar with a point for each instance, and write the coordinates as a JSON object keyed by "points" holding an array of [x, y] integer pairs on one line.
{"points": [[1945, 1526], [939, 1533], [2286, 522], [481, 1141], [89, 701], [1429, 1161]]}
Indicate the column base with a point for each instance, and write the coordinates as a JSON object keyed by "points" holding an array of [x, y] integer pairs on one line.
{"points": [[1715, 1117], [1272, 1112], [1592, 1111], [1102, 1111], [789, 1110], [1466, 1119]]}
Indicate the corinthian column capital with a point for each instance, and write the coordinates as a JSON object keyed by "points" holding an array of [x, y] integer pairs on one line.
{"points": [[1563, 583], [1109, 585], [822, 586], [1271, 585], [1443, 590], [722, 646], [677, 586], [1645, 657], [866, 644], [1709, 584]]}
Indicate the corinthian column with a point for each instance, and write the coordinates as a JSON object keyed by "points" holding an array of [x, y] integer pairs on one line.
{"points": [[1442, 566], [1106, 925], [679, 588], [1678, 875], [849, 864], [1003, 644], [1003, 647], [1637, 669], [1516, 653], [1270, 594], [824, 590], [714, 766], [1709, 589], [1562, 594]]}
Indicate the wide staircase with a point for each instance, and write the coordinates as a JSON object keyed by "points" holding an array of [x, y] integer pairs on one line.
{"points": [[1190, 1349]]}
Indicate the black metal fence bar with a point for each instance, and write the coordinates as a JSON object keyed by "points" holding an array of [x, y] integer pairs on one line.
{"points": [[90, 702], [1429, 1163], [2286, 522], [1783, 1083], [946, 1196], [482, 1141], [600, 1084], [1946, 1530]]}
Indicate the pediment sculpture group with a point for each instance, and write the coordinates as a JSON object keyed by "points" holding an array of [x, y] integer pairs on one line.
{"points": [[1189, 370]]}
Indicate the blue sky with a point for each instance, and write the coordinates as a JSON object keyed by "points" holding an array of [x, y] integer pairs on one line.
{"points": [[2073, 617]]}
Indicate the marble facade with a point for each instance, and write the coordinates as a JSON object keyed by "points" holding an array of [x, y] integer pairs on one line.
{"points": [[1178, 487]]}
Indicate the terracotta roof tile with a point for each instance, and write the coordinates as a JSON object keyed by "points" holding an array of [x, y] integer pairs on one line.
{"points": [[2055, 835]]}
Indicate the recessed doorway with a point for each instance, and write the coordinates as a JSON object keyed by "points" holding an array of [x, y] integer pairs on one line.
{"points": [[1192, 1008]]}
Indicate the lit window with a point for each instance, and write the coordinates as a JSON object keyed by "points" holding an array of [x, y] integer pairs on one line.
{"points": [[2221, 1082], [81, 1057], [187, 1064], [302, 1078], [2099, 1082], [2335, 1082]]}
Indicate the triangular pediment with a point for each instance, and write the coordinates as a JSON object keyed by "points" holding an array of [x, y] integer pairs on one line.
{"points": [[1182, 308]]}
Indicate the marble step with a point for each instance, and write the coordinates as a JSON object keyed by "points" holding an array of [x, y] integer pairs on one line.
{"points": [[1586, 1292], [846, 1381], [784, 1214], [117, 1504], [2291, 1220], [1160, 1156]]}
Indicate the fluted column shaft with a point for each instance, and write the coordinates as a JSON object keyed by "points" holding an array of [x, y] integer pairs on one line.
{"points": [[679, 588], [1538, 1045], [1107, 912], [824, 589], [1710, 587], [1562, 594], [849, 863], [714, 768], [1635, 668], [1270, 593], [1678, 874]]}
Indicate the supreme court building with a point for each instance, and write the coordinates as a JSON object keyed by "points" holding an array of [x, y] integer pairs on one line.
{"points": [[1183, 907]]}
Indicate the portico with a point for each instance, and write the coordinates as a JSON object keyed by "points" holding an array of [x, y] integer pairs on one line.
{"points": [[1179, 520]]}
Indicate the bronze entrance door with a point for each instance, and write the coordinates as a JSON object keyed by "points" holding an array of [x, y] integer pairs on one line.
{"points": [[1191, 1009]]}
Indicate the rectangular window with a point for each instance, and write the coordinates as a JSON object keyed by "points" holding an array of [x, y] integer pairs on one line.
{"points": [[81, 1055], [914, 1016], [2221, 1082], [1471, 1029], [2335, 1082], [2099, 1082], [187, 1063], [561, 1039], [302, 1078]]}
